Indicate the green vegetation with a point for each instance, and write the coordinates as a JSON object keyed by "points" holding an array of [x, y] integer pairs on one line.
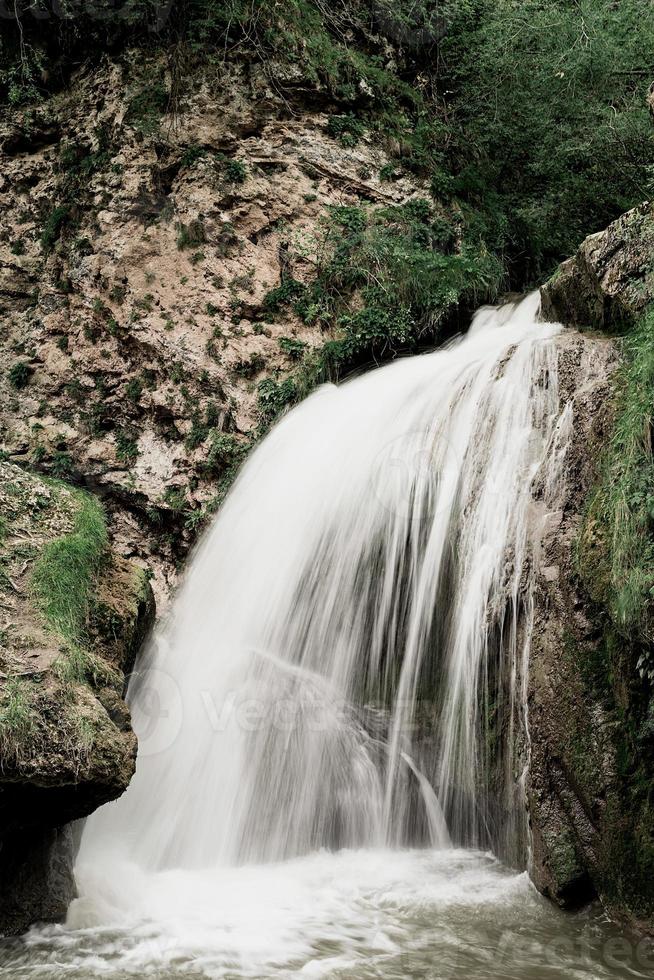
{"points": [[293, 347], [53, 225], [616, 549], [551, 120], [127, 449], [387, 281], [529, 118], [347, 129], [191, 235], [64, 577], [17, 720], [19, 374], [134, 389], [234, 172], [146, 108]]}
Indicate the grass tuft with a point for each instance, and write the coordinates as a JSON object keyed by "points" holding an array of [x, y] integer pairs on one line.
{"points": [[64, 577], [17, 721]]}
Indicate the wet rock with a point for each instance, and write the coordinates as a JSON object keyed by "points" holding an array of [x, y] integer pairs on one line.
{"points": [[610, 280], [573, 762]]}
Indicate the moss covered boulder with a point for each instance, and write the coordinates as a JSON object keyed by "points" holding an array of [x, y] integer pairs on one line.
{"points": [[610, 280], [72, 616]]}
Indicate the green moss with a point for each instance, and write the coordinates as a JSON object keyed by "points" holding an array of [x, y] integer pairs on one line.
{"points": [[616, 547]]}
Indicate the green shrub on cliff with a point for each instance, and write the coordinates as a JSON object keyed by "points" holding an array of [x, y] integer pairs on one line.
{"points": [[387, 281], [617, 543]]}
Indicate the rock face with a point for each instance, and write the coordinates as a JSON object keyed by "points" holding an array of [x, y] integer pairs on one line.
{"points": [[610, 279], [66, 744], [571, 762], [139, 315], [592, 747]]}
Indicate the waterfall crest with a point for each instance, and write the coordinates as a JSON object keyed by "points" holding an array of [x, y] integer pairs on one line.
{"points": [[343, 666]]}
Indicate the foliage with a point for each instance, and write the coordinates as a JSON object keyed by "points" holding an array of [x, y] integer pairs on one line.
{"points": [[19, 374], [274, 397], [386, 282], [616, 548], [66, 572], [347, 129], [146, 108], [551, 132], [292, 346], [191, 235], [234, 171], [53, 225], [17, 719]]}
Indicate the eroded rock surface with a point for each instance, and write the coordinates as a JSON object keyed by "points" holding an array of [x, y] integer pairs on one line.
{"points": [[592, 745], [139, 314]]}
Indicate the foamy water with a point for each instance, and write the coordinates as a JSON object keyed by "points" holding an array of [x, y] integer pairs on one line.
{"points": [[351, 915]]}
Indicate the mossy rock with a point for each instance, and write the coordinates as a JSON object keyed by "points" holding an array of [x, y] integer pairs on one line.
{"points": [[73, 617]]}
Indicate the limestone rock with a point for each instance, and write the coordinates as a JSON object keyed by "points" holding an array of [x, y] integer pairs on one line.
{"points": [[136, 255]]}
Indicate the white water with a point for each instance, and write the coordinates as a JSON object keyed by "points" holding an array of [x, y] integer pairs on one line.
{"points": [[342, 677], [372, 550]]}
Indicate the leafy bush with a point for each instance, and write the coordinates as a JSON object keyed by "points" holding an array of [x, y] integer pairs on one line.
{"points": [[284, 294], [292, 346], [347, 129], [235, 172], [274, 397], [225, 451]]}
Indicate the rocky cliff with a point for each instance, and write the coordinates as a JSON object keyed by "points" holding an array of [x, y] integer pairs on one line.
{"points": [[153, 248], [72, 617], [591, 783]]}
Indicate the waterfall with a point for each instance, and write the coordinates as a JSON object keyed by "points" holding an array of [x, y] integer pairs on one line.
{"points": [[344, 665]]}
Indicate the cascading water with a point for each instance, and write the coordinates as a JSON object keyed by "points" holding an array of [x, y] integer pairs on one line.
{"points": [[370, 556], [343, 671]]}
